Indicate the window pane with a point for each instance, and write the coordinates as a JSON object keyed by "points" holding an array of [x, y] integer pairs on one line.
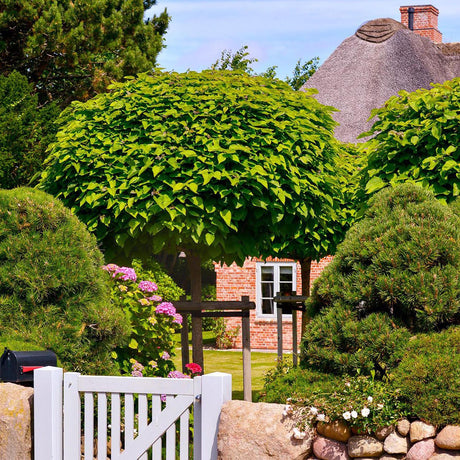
{"points": [[267, 273], [267, 306], [286, 288], [267, 289], [285, 273]]}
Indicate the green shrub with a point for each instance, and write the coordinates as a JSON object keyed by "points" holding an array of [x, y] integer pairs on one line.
{"points": [[429, 377], [402, 259], [53, 292], [284, 382], [225, 335], [340, 343]]}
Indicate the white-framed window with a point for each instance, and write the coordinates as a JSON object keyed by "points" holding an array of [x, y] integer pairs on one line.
{"points": [[271, 278]]}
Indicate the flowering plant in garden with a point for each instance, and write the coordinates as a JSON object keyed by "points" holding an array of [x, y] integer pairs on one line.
{"points": [[153, 323], [364, 403]]}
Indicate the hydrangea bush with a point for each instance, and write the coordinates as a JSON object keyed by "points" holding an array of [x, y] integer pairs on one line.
{"points": [[153, 322]]}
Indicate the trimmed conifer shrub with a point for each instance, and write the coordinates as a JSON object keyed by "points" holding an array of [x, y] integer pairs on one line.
{"points": [[338, 342], [53, 292], [429, 378], [401, 259]]}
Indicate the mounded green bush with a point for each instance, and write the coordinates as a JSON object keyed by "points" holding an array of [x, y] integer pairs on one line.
{"points": [[402, 259], [429, 377], [283, 382], [338, 342], [53, 292]]}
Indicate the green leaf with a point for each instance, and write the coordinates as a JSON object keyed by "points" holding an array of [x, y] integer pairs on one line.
{"points": [[376, 183], [133, 344], [209, 237], [227, 216]]}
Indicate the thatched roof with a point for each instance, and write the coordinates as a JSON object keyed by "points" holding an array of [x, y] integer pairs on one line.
{"points": [[382, 58]]}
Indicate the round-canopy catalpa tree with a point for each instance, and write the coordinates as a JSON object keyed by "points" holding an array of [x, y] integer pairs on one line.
{"points": [[217, 164]]}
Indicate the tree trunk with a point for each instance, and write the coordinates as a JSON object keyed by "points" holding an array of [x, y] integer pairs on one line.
{"points": [[194, 265], [305, 267]]}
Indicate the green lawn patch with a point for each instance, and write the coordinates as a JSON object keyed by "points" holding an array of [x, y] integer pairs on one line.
{"points": [[231, 362]]}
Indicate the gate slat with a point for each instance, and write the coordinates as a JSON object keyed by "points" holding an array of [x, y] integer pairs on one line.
{"points": [[153, 431], [143, 413], [129, 420], [102, 426], [89, 425], [115, 431], [184, 435], [170, 434], [156, 411]]}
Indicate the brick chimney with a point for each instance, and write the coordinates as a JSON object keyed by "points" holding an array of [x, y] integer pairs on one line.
{"points": [[423, 20]]}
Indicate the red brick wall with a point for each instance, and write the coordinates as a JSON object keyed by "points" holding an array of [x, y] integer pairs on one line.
{"points": [[232, 282], [425, 21]]}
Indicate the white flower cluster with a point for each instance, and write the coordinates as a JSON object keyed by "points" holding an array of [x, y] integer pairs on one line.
{"points": [[319, 417], [297, 434], [287, 410], [364, 412]]}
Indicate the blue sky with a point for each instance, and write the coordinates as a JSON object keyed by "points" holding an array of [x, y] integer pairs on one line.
{"points": [[277, 32]]}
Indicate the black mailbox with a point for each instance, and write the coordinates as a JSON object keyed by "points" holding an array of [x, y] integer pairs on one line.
{"points": [[18, 366]]}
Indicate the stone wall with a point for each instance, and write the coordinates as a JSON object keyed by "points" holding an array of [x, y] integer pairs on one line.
{"points": [[16, 404], [261, 431]]}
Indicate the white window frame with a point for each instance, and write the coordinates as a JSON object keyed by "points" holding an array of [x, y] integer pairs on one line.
{"points": [[276, 276]]}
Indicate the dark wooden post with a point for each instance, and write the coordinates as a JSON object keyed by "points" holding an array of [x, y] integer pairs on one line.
{"points": [[305, 268], [184, 342], [194, 264], [246, 339], [294, 337], [279, 327]]}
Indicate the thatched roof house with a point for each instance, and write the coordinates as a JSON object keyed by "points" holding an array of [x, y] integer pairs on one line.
{"points": [[383, 57]]}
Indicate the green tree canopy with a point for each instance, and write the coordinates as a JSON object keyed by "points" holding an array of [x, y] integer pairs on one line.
{"points": [[217, 162], [25, 131], [73, 49], [417, 139]]}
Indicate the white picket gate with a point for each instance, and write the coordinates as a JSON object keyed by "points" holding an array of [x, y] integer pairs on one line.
{"points": [[142, 412]]}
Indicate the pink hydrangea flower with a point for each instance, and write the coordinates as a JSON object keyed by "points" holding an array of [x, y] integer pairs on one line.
{"points": [[110, 267], [147, 286], [177, 318], [155, 298], [177, 375], [167, 308], [136, 374], [165, 355], [126, 273]]}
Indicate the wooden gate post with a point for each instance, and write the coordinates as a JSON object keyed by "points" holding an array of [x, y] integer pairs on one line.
{"points": [[246, 339], [216, 389], [48, 413]]}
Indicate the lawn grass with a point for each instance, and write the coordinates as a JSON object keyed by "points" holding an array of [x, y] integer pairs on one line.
{"points": [[231, 362]]}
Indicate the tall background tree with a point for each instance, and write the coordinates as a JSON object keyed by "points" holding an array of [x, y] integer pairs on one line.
{"points": [[73, 49], [416, 139], [25, 130], [53, 52], [241, 60]]}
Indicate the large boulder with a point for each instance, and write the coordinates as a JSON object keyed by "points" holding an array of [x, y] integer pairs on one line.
{"points": [[260, 431], [15, 421]]}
